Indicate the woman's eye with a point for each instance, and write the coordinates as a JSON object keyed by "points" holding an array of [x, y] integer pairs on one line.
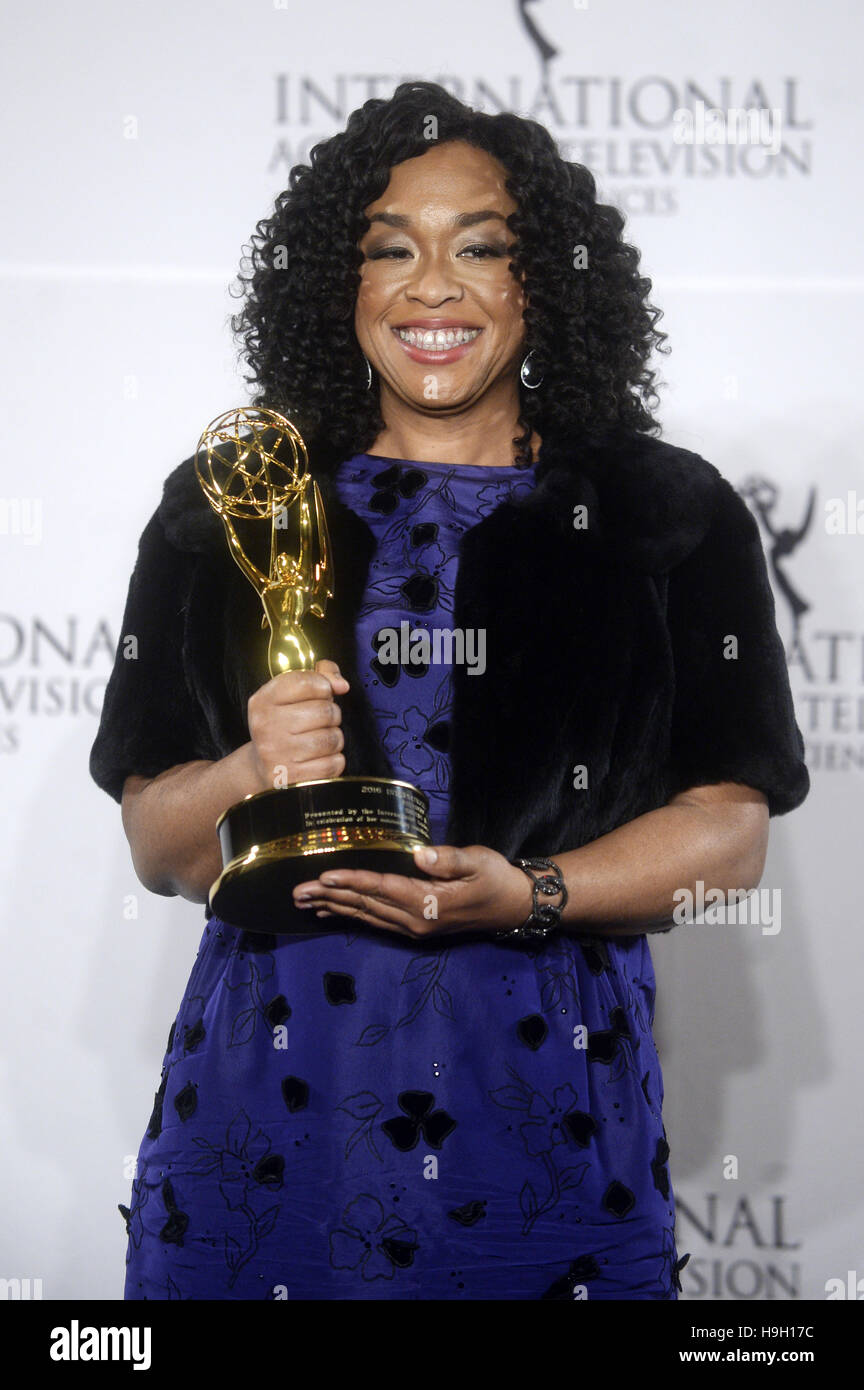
{"points": [[478, 251], [389, 251], [484, 249]]}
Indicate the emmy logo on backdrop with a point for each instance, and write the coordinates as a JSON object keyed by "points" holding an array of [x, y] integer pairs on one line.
{"points": [[253, 466]]}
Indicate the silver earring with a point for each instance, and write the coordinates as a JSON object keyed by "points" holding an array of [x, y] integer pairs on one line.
{"points": [[525, 372], [368, 372]]}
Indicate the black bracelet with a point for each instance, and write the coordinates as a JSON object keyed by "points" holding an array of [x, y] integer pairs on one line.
{"points": [[544, 917]]}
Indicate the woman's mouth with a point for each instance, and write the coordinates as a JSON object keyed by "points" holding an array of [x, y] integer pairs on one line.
{"points": [[437, 344]]}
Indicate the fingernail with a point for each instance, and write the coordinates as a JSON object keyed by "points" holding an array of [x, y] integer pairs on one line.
{"points": [[428, 855]]}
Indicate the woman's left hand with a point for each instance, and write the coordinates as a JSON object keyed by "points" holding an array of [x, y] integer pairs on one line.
{"points": [[473, 889]]}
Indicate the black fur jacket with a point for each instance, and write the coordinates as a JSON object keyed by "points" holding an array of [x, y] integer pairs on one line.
{"points": [[610, 646]]}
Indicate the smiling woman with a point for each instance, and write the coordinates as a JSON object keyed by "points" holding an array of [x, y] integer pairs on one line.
{"points": [[445, 1086], [432, 295]]}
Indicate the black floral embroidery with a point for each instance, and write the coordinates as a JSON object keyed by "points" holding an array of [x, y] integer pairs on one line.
{"points": [[295, 1093], [469, 1214], [154, 1127], [365, 1107], [499, 490], [423, 533], [414, 739], [676, 1268], [532, 1031], [254, 970], [596, 955], [618, 1198], [269, 1170], [186, 1101], [430, 570], [613, 1046], [173, 1291], [194, 1035], [555, 966], [258, 942], [391, 484], [175, 1227], [550, 1127], [425, 971], [405, 1130], [556, 1122], [371, 1241], [419, 592], [339, 988], [278, 1011], [671, 1265], [659, 1170], [389, 672], [395, 487], [247, 1170], [132, 1215], [581, 1271]]}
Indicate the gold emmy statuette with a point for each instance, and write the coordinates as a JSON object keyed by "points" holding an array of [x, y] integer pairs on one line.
{"points": [[253, 467]]}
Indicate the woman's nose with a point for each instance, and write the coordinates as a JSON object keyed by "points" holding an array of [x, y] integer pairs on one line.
{"points": [[433, 278]]}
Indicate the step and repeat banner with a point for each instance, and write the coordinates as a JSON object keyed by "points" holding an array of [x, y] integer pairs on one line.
{"points": [[144, 143]]}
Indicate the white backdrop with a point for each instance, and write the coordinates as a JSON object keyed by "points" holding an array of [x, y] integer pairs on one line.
{"points": [[144, 144]]}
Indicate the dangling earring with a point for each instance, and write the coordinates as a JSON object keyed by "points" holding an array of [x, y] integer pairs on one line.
{"points": [[368, 372], [525, 372]]}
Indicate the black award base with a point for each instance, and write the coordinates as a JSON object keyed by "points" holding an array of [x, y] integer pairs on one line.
{"points": [[273, 840]]}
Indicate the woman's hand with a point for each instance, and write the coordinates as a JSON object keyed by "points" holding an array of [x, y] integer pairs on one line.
{"points": [[474, 889], [294, 726]]}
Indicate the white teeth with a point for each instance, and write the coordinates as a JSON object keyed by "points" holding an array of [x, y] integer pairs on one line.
{"points": [[437, 340]]}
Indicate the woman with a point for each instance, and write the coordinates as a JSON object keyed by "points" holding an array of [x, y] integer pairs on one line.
{"points": [[446, 1086]]}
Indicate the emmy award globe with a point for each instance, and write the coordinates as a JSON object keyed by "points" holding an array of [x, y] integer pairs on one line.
{"points": [[252, 465]]}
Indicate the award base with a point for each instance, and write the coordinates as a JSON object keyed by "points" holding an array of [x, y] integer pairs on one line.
{"points": [[273, 840]]}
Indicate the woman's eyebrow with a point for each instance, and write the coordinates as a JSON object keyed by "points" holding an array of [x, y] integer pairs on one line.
{"points": [[462, 219]]}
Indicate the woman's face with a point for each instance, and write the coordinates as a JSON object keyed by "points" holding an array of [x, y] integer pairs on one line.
{"points": [[436, 261]]}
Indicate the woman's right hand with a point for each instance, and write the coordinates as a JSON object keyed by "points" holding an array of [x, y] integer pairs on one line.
{"points": [[294, 726]]}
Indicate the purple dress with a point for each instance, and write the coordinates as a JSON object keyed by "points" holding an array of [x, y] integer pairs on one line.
{"points": [[358, 1115]]}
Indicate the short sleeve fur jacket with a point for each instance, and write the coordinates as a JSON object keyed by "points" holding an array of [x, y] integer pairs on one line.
{"points": [[634, 640]]}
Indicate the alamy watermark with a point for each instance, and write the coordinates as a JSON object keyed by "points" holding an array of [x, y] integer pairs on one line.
{"points": [[711, 125], [77, 1343], [22, 516], [758, 907], [437, 646]]}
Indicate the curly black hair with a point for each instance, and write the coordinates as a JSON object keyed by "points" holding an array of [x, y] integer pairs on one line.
{"points": [[592, 330]]}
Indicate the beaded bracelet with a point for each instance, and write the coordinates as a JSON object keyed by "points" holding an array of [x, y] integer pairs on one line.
{"points": [[544, 917]]}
